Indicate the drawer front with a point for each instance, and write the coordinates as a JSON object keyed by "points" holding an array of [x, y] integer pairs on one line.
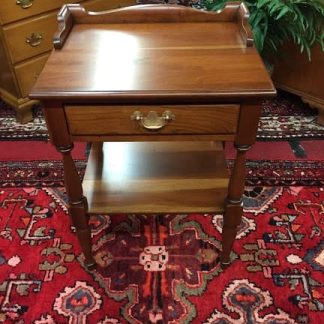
{"points": [[11, 11], [30, 38], [28, 72], [119, 120]]}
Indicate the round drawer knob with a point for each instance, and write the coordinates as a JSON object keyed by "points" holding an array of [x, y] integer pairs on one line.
{"points": [[24, 3]]}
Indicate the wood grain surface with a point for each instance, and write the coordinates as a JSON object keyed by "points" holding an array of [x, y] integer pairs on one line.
{"points": [[116, 120], [123, 62], [156, 177]]}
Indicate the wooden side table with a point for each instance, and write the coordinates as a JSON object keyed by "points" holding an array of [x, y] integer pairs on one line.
{"points": [[157, 89]]}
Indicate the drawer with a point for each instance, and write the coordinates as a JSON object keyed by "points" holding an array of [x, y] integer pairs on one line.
{"points": [[28, 72], [117, 120], [10, 11], [18, 35]]}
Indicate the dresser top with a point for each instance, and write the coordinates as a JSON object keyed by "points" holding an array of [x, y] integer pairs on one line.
{"points": [[113, 55]]}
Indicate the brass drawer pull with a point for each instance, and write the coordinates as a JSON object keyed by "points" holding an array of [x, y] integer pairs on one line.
{"points": [[34, 39], [153, 121], [24, 3]]}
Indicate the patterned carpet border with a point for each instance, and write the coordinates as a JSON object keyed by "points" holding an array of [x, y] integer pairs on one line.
{"points": [[266, 173], [278, 128], [10, 130], [283, 173], [35, 173]]}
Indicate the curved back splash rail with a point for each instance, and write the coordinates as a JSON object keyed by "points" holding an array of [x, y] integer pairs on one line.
{"points": [[71, 14]]}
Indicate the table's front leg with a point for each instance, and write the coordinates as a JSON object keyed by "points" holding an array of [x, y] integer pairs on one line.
{"points": [[60, 137], [246, 134]]}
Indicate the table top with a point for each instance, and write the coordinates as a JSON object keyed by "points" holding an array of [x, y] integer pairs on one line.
{"points": [[196, 58]]}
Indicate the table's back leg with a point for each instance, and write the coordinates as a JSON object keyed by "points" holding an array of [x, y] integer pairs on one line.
{"points": [[247, 128], [60, 137]]}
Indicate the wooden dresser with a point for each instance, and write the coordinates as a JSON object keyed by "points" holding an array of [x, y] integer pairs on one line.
{"points": [[157, 90], [296, 74], [26, 32]]}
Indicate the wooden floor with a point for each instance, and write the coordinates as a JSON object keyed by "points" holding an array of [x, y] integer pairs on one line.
{"points": [[153, 177]]}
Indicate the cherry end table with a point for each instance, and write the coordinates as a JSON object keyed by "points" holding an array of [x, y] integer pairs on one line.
{"points": [[157, 90]]}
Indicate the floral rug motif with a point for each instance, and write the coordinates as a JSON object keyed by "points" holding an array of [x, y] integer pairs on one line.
{"points": [[163, 268], [155, 262]]}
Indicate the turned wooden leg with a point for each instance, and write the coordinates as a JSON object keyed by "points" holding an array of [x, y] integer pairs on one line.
{"points": [[77, 205], [234, 204], [232, 219]]}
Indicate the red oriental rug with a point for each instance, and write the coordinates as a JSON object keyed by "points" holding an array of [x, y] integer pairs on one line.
{"points": [[163, 268]]}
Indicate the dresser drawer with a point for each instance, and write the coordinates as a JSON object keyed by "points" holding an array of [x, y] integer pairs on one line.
{"points": [[30, 38], [28, 72], [10, 11], [110, 120]]}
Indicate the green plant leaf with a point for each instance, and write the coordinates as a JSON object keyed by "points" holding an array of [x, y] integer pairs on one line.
{"points": [[283, 11], [258, 38], [275, 21], [261, 3], [218, 6]]}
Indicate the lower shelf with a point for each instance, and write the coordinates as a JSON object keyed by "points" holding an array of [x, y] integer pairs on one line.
{"points": [[156, 177]]}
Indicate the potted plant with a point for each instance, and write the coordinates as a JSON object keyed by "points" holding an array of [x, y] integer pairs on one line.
{"points": [[289, 34], [274, 22]]}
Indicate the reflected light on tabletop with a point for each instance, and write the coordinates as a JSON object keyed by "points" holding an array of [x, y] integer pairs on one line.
{"points": [[116, 167], [116, 56]]}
